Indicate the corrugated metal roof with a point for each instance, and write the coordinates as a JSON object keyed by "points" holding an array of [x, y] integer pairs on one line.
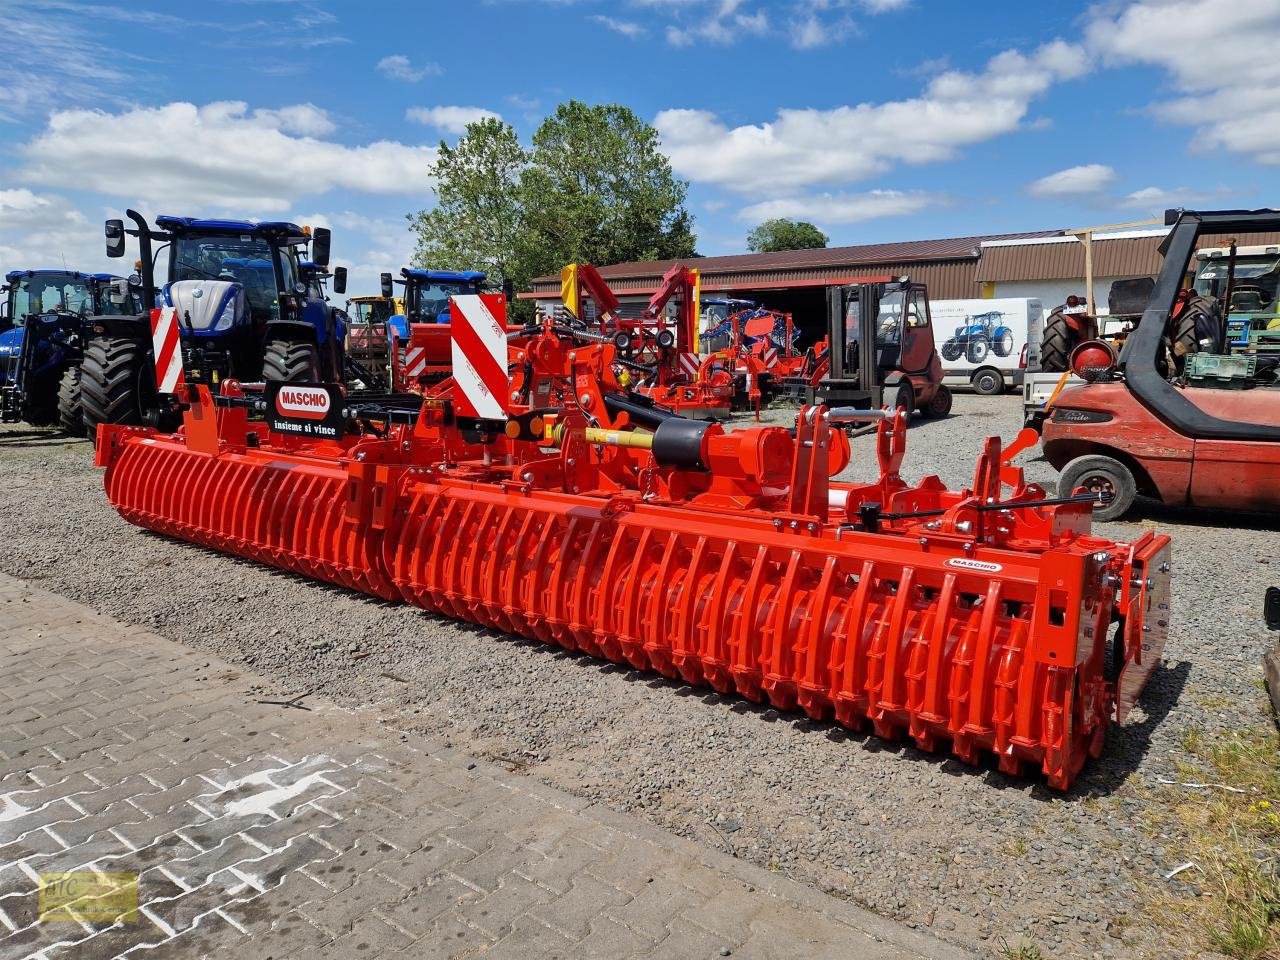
{"points": [[791, 261], [1055, 260]]}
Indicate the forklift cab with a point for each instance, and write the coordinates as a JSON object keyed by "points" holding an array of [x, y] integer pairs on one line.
{"points": [[890, 316]]}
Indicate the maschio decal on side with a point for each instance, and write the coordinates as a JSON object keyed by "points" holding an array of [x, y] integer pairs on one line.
{"points": [[982, 566], [310, 403]]}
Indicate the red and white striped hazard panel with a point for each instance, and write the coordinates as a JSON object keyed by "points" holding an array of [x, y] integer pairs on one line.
{"points": [[166, 347], [480, 355], [768, 357], [689, 363], [415, 361]]}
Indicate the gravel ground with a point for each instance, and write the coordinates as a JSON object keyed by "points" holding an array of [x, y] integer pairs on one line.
{"points": [[978, 857]]}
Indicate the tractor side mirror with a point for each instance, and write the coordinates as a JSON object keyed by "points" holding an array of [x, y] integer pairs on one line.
{"points": [[1271, 608], [387, 288], [115, 238], [339, 279], [321, 242], [119, 291]]}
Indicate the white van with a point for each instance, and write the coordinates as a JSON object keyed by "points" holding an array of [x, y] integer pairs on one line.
{"points": [[983, 343]]}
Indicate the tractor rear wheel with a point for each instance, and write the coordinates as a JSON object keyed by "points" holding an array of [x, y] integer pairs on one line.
{"points": [[1100, 474], [117, 383], [1056, 343], [939, 404], [290, 361], [1199, 320], [70, 411]]}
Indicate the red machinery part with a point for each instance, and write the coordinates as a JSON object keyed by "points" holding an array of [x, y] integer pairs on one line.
{"points": [[995, 626]]}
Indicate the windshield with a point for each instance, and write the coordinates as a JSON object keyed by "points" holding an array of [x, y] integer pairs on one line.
{"points": [[242, 259], [1254, 285], [373, 311], [433, 296], [888, 322], [50, 293]]}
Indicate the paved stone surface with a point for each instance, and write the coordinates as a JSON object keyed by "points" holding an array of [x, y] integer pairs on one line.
{"points": [[276, 831]]}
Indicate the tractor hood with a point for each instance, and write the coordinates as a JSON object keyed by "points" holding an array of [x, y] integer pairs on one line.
{"points": [[11, 342]]}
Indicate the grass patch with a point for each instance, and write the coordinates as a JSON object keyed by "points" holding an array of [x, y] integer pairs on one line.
{"points": [[1230, 830], [1026, 950]]}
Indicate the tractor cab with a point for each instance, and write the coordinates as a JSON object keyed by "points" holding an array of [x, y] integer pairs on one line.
{"points": [[882, 348], [427, 292], [1245, 280], [48, 317]]}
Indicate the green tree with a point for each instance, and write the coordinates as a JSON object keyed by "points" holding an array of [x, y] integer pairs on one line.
{"points": [[594, 187], [477, 222], [598, 188], [783, 234]]}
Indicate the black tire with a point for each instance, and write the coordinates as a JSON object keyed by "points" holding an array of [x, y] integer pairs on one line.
{"points": [[290, 361], [905, 398], [951, 350], [939, 404], [988, 382], [977, 349], [1201, 319], [1056, 343], [70, 410], [1098, 473], [117, 383], [1003, 345]]}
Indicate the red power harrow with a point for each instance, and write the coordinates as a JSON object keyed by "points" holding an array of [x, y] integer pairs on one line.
{"points": [[989, 619]]}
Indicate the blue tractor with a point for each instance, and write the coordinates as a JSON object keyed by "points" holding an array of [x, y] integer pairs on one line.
{"points": [[49, 317], [427, 293], [245, 309], [980, 335]]}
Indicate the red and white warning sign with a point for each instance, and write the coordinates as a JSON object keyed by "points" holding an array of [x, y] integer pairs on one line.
{"points": [[480, 354], [689, 363], [166, 347]]}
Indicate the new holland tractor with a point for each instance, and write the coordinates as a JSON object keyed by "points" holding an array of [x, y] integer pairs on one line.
{"points": [[980, 335], [243, 307], [48, 318]]}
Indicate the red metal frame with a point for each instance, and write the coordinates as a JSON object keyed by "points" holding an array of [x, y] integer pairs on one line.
{"points": [[726, 559]]}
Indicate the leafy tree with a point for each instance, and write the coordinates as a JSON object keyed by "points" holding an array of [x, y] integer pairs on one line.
{"points": [[593, 187], [477, 223], [783, 234], [598, 188]]}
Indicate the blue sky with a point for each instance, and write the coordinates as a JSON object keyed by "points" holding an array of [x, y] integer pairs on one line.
{"points": [[877, 119]]}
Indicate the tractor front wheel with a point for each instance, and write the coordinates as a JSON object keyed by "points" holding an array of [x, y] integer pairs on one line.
{"points": [[1056, 342], [1100, 475], [70, 409], [117, 383], [906, 399], [290, 361]]}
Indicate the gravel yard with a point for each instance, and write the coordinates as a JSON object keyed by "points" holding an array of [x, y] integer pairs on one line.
{"points": [[975, 856]]}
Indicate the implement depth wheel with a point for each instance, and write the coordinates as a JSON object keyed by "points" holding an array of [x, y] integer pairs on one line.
{"points": [[1101, 474], [70, 410]]}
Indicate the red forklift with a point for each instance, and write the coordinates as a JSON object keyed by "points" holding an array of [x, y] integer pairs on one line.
{"points": [[881, 349], [1204, 434]]}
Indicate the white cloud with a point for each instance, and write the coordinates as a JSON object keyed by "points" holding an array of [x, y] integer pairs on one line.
{"points": [[1156, 200], [217, 156], [1221, 55], [39, 230], [829, 208], [803, 147], [884, 6], [449, 119], [628, 28], [726, 23], [1084, 180], [399, 67]]}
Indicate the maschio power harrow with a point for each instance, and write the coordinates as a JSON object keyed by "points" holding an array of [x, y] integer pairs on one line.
{"points": [[548, 502]]}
